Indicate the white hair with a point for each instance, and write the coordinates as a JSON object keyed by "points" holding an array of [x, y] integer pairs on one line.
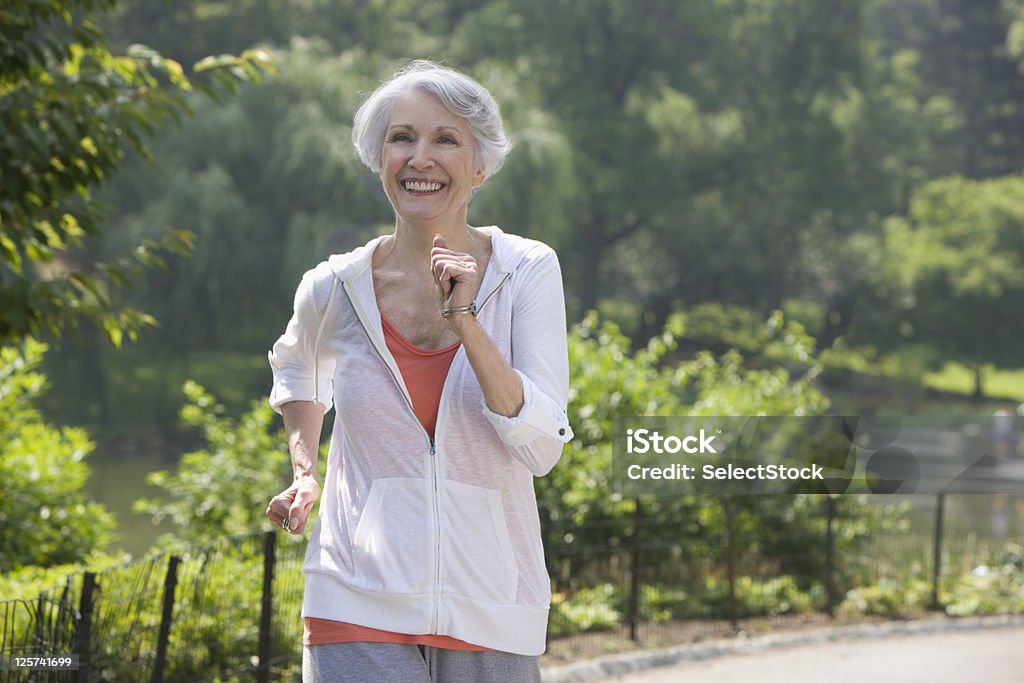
{"points": [[457, 92]]}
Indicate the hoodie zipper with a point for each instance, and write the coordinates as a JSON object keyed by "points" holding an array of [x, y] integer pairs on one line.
{"points": [[431, 449], [435, 474]]}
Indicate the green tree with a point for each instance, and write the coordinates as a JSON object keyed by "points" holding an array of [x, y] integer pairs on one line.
{"points": [[954, 267], [46, 517], [970, 53], [69, 110], [730, 151], [282, 191]]}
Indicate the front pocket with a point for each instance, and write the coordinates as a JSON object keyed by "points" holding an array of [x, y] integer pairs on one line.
{"points": [[478, 559], [391, 546]]}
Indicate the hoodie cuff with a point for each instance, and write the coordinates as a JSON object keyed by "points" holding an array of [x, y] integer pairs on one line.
{"points": [[539, 416]]}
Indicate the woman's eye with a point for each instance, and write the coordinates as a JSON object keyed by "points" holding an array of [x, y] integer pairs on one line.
{"points": [[400, 137], [447, 140]]}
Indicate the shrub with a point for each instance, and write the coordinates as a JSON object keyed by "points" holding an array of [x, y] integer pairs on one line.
{"points": [[46, 517]]}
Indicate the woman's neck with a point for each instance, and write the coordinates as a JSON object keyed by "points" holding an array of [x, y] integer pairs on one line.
{"points": [[412, 242]]}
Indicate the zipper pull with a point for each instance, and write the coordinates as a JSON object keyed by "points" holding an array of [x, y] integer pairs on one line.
{"points": [[433, 449]]}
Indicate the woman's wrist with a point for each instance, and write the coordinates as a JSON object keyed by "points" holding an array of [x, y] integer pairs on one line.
{"points": [[450, 311], [463, 324], [300, 474]]}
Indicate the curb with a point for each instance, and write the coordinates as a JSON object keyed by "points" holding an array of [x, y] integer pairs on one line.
{"points": [[614, 666]]}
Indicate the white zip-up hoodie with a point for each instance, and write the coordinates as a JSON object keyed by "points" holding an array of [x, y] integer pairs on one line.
{"points": [[419, 536]]}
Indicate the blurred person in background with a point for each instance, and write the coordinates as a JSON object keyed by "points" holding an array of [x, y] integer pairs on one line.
{"points": [[1004, 440]]}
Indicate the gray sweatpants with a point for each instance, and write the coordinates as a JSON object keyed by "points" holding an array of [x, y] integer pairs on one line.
{"points": [[399, 663]]}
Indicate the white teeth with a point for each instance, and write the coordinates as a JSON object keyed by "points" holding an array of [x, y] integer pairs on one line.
{"points": [[416, 186]]}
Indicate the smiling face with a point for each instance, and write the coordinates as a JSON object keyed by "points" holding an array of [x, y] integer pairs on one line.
{"points": [[428, 164]]}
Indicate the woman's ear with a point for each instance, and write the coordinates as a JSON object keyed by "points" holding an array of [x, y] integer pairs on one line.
{"points": [[478, 178]]}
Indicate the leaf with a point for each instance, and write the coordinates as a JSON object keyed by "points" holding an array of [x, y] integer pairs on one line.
{"points": [[11, 253], [113, 329]]}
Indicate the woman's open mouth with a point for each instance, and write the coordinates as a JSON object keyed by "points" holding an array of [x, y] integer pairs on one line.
{"points": [[422, 186]]}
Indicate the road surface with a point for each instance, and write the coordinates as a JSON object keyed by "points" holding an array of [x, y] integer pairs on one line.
{"points": [[978, 656]]}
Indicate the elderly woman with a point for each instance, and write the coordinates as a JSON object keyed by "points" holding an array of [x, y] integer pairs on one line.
{"points": [[442, 348]]}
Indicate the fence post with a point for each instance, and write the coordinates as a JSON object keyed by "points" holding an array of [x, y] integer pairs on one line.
{"points": [[170, 584], [730, 559], [633, 614], [83, 631], [937, 551], [39, 634], [266, 613], [830, 550]]}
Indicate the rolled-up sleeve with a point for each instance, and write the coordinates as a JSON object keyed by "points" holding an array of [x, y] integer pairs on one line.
{"points": [[300, 358], [540, 356]]}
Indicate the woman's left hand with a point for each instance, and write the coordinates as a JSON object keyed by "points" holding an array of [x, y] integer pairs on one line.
{"points": [[456, 274]]}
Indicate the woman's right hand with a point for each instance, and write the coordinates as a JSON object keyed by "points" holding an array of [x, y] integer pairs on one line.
{"points": [[293, 504]]}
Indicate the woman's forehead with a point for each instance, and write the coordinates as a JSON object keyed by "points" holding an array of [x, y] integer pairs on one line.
{"points": [[417, 109]]}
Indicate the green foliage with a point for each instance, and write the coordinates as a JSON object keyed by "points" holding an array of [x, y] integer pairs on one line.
{"points": [[588, 609], [888, 598], [758, 597], [956, 378], [602, 607], [717, 153], [609, 380], [70, 111], [283, 190], [218, 601], [968, 233], [218, 605], [224, 488], [46, 518], [954, 264], [995, 588]]}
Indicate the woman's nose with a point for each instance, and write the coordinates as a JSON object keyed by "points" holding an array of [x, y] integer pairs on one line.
{"points": [[421, 156]]}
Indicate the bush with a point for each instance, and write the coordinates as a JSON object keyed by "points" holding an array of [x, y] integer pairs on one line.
{"points": [[887, 598], [224, 488], [589, 609], [46, 518], [996, 589]]}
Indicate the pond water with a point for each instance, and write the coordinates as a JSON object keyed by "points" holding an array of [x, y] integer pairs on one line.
{"points": [[117, 480]]}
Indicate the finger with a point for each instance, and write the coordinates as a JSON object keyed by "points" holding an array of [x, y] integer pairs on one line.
{"points": [[461, 263], [278, 518], [297, 515], [448, 273], [277, 510], [298, 511], [457, 273], [444, 283], [438, 261], [440, 242]]}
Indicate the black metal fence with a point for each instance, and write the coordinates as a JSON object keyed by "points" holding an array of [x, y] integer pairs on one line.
{"points": [[642, 586], [224, 611], [230, 610]]}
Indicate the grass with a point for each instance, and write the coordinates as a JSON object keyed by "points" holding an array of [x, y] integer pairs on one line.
{"points": [[958, 379], [859, 381]]}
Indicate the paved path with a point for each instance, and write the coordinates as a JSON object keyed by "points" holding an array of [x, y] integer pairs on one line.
{"points": [[982, 650], [995, 656]]}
